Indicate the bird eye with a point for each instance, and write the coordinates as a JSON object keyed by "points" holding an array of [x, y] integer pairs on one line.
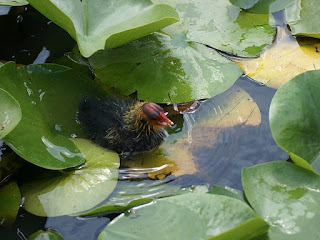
{"points": [[152, 110]]}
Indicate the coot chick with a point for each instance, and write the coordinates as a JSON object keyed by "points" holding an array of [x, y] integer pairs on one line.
{"points": [[124, 125]]}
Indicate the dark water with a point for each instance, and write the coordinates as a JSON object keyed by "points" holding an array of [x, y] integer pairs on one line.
{"points": [[28, 37]]}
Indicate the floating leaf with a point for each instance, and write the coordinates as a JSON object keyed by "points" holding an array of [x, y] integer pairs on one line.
{"points": [[284, 60], [211, 215], [287, 197], [222, 25], [295, 117], [180, 71], [10, 113], [303, 18], [263, 6], [102, 24], [10, 198], [226, 191], [70, 192], [13, 2], [45, 235], [49, 96]]}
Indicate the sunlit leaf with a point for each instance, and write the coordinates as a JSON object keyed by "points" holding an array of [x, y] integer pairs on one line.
{"points": [[73, 191], [178, 70], [287, 197], [303, 18], [222, 25], [188, 216], [294, 116], [10, 113], [101, 24], [10, 198], [263, 6], [45, 235], [49, 96], [226, 191], [14, 2], [284, 60]]}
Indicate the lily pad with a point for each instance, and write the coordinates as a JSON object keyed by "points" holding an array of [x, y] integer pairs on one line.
{"points": [[178, 70], [45, 235], [221, 25], [295, 118], [188, 216], [70, 192], [262, 6], [10, 198], [10, 113], [303, 18], [287, 197], [104, 24], [14, 2], [226, 191], [49, 96]]}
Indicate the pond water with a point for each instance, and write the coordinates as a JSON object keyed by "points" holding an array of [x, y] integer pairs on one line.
{"points": [[218, 150]]}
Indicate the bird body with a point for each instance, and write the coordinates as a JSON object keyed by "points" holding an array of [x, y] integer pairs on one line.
{"points": [[124, 125]]}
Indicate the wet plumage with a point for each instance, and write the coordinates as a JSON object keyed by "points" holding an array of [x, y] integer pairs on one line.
{"points": [[123, 125]]}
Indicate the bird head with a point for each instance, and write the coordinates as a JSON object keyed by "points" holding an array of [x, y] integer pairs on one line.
{"points": [[156, 114]]}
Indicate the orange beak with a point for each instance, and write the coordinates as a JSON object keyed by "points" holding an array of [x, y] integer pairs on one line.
{"points": [[164, 121]]}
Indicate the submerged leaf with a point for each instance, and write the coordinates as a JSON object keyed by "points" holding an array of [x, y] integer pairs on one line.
{"points": [[295, 117], [287, 197], [10, 198], [170, 217], [10, 113], [49, 96], [73, 191], [104, 24]]}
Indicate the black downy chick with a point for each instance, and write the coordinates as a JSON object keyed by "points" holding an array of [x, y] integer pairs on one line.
{"points": [[124, 125]]}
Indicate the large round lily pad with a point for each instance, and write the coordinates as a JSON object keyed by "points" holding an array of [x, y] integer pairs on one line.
{"points": [[103, 24], [287, 197], [10, 113], [70, 192], [188, 216], [49, 96], [263, 6], [295, 117]]}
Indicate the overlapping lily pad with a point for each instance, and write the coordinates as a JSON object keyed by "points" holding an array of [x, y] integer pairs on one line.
{"points": [[45, 235], [303, 18], [287, 197], [14, 2], [188, 216], [10, 113], [49, 96], [263, 6], [102, 24], [70, 192], [295, 117], [10, 198]]}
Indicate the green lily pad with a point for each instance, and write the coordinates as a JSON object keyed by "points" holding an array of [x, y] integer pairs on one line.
{"points": [[295, 117], [70, 192], [178, 70], [104, 24], [130, 194], [10, 198], [303, 18], [14, 2], [187, 216], [45, 235], [263, 6], [10, 113], [223, 26], [287, 197], [49, 96]]}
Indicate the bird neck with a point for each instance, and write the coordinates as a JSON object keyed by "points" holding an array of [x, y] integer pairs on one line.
{"points": [[138, 121]]}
